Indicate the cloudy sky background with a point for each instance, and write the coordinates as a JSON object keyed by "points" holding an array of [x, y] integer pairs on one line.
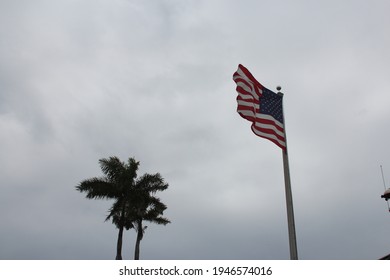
{"points": [[88, 79]]}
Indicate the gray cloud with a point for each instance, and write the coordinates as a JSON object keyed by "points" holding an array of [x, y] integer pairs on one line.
{"points": [[87, 80]]}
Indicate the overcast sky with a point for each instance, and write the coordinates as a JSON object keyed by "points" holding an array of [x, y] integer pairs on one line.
{"points": [[88, 79]]}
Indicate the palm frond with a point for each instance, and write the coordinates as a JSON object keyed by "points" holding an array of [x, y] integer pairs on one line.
{"points": [[131, 170], [98, 188], [161, 221], [155, 203], [112, 167], [151, 183], [116, 209]]}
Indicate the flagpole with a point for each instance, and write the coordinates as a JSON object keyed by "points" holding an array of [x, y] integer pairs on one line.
{"points": [[289, 201]]}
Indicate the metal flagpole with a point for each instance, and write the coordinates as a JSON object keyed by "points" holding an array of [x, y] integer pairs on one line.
{"points": [[289, 201]]}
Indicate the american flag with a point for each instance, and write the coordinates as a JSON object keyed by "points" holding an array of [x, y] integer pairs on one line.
{"points": [[260, 106]]}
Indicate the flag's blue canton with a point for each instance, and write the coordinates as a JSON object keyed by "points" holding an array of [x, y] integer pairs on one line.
{"points": [[271, 104]]}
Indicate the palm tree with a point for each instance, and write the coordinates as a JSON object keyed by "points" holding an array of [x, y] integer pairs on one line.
{"points": [[118, 184], [147, 207], [135, 199]]}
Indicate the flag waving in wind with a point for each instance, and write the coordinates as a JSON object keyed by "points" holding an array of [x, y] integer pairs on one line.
{"points": [[260, 106]]}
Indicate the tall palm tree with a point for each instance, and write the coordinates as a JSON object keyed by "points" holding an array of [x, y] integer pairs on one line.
{"points": [[135, 199], [118, 184], [147, 207]]}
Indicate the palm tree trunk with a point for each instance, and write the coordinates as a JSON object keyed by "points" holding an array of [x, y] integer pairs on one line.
{"points": [[139, 238], [120, 234], [119, 244]]}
